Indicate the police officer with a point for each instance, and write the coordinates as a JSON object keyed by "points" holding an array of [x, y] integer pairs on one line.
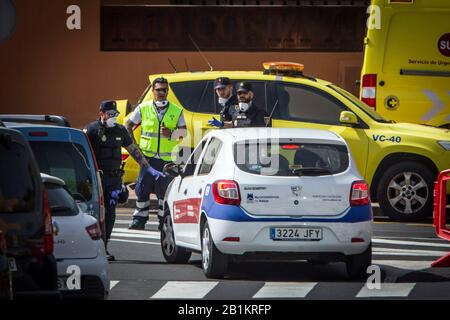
{"points": [[227, 100], [107, 137], [248, 114], [162, 128]]}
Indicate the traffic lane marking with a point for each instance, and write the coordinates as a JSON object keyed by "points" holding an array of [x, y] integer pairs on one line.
{"points": [[272, 290], [185, 290], [387, 290]]}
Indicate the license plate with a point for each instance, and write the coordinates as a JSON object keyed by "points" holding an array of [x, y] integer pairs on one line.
{"points": [[296, 234]]}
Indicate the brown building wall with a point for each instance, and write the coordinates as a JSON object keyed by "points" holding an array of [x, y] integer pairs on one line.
{"points": [[47, 69]]}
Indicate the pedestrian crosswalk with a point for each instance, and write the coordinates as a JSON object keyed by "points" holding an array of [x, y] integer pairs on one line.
{"points": [[210, 290]]}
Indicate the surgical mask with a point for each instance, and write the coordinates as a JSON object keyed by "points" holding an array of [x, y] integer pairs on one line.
{"points": [[111, 122], [243, 106], [222, 101], [161, 104]]}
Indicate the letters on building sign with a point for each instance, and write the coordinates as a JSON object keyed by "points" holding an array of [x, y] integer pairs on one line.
{"points": [[147, 28]]}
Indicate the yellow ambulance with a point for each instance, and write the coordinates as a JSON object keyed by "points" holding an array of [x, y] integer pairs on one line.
{"points": [[406, 71]]}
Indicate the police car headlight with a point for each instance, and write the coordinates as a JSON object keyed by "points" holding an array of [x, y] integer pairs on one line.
{"points": [[445, 145]]}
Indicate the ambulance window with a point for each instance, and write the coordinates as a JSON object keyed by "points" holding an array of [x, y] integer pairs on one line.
{"points": [[207, 99], [189, 93], [302, 103], [260, 97], [211, 154]]}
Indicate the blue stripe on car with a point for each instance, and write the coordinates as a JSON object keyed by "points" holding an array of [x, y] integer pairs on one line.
{"points": [[236, 213]]}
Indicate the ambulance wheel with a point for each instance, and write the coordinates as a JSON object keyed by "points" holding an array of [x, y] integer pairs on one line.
{"points": [[214, 262], [357, 264], [405, 191], [172, 253]]}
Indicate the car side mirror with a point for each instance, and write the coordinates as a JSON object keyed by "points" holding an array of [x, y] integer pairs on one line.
{"points": [[173, 170], [348, 117]]}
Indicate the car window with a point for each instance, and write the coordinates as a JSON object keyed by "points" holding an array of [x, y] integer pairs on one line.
{"points": [[190, 93], [60, 200], [17, 185], [290, 158], [211, 154], [67, 161], [302, 103], [208, 100], [193, 160]]}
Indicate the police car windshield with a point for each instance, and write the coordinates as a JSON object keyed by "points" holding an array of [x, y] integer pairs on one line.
{"points": [[290, 158], [361, 105]]}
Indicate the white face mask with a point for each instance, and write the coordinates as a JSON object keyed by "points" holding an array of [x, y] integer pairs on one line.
{"points": [[222, 101], [111, 122], [161, 104], [243, 106]]}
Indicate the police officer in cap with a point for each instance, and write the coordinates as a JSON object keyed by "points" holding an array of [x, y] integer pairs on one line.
{"points": [[248, 114], [107, 138], [227, 100]]}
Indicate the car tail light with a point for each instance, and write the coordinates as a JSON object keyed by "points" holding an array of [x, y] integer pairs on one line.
{"points": [[357, 240], [226, 192], [369, 90], [125, 157], [38, 134], [2, 243], [232, 239], [94, 231], [359, 195], [290, 146], [48, 235]]}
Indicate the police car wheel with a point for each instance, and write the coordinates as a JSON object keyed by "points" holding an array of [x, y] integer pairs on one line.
{"points": [[357, 264], [214, 262], [405, 191], [172, 253]]}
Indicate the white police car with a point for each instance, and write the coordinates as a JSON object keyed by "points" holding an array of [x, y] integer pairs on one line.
{"points": [[266, 193]]}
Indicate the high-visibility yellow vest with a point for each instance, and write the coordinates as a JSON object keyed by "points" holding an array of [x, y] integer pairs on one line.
{"points": [[152, 143]]}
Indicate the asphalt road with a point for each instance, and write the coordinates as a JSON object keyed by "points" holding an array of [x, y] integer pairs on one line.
{"points": [[403, 251]]}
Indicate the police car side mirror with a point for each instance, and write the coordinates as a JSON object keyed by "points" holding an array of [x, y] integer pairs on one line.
{"points": [[349, 118], [172, 170]]}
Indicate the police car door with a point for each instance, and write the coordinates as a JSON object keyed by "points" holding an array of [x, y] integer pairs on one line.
{"points": [[186, 203]]}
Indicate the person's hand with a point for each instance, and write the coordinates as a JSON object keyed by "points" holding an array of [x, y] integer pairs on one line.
{"points": [[215, 123], [155, 173], [165, 132], [114, 198]]}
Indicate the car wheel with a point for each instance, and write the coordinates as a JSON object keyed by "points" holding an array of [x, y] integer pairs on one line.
{"points": [[357, 264], [172, 253], [405, 192], [214, 262]]}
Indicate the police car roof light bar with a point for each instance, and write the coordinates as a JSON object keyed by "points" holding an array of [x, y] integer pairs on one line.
{"points": [[57, 120]]}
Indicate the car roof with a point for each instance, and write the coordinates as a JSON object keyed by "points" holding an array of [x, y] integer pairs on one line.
{"points": [[241, 75], [51, 179], [239, 134]]}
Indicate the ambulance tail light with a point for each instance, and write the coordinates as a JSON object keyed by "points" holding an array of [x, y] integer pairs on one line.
{"points": [[359, 194], [226, 192], [369, 90]]}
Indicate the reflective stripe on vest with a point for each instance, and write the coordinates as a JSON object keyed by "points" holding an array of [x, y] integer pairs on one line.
{"points": [[151, 143]]}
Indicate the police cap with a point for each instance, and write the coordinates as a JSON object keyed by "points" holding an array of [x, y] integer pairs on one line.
{"points": [[221, 82], [108, 105], [244, 87]]}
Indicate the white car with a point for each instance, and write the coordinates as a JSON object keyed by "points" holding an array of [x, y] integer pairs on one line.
{"points": [[266, 193], [78, 245]]}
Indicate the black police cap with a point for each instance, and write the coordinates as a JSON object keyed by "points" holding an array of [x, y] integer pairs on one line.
{"points": [[221, 82], [244, 87], [108, 105]]}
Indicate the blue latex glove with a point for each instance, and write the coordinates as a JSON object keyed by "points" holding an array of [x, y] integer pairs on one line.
{"points": [[215, 123], [155, 173], [114, 198]]}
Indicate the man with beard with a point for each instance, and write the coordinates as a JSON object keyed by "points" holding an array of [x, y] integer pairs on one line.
{"points": [[247, 112]]}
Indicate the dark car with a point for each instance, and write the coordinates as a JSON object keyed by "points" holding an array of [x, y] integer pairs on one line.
{"points": [[25, 220], [66, 153], [5, 273]]}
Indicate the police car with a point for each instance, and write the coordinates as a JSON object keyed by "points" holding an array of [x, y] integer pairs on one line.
{"points": [[265, 193]]}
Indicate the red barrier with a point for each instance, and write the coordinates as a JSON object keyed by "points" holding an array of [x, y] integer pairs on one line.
{"points": [[439, 213]]}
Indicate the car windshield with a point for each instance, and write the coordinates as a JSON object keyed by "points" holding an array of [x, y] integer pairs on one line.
{"points": [[17, 186], [67, 161], [361, 105], [61, 202], [290, 158]]}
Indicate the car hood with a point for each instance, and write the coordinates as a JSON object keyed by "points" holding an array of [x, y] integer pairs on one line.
{"points": [[419, 130]]}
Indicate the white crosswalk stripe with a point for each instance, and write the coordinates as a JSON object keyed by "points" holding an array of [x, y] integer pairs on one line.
{"points": [[272, 290], [112, 284], [387, 290], [185, 290]]}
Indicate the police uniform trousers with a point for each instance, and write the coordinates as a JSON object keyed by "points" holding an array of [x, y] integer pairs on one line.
{"points": [[110, 183], [146, 185]]}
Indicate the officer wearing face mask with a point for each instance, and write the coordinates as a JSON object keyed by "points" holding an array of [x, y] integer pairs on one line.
{"points": [[248, 114], [107, 137], [227, 101]]}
